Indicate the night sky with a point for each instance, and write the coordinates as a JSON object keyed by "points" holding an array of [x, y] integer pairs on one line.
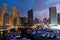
{"points": [[40, 7]]}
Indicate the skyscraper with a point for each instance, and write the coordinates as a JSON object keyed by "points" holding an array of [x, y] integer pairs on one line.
{"points": [[30, 17], [59, 18], [36, 20], [15, 22], [45, 20], [13, 14], [5, 8], [49, 20], [23, 21], [18, 16], [1, 16], [6, 19], [18, 13], [53, 15]]}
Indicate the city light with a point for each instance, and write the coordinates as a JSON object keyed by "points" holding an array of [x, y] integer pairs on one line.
{"points": [[55, 27], [29, 20]]}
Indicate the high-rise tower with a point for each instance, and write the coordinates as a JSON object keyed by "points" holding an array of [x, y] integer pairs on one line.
{"points": [[4, 10], [30, 17], [58, 18], [16, 19], [6, 19], [18, 16], [12, 15], [53, 16], [1, 16]]}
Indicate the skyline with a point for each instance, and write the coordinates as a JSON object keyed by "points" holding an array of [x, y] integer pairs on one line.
{"points": [[40, 7]]}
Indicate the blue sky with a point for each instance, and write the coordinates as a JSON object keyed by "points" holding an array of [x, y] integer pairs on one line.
{"points": [[40, 7]]}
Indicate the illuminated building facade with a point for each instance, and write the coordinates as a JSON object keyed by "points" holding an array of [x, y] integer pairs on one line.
{"points": [[15, 22], [6, 19], [13, 14], [59, 18], [53, 15], [3, 10], [21, 21], [1, 16], [18, 15], [30, 17]]}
